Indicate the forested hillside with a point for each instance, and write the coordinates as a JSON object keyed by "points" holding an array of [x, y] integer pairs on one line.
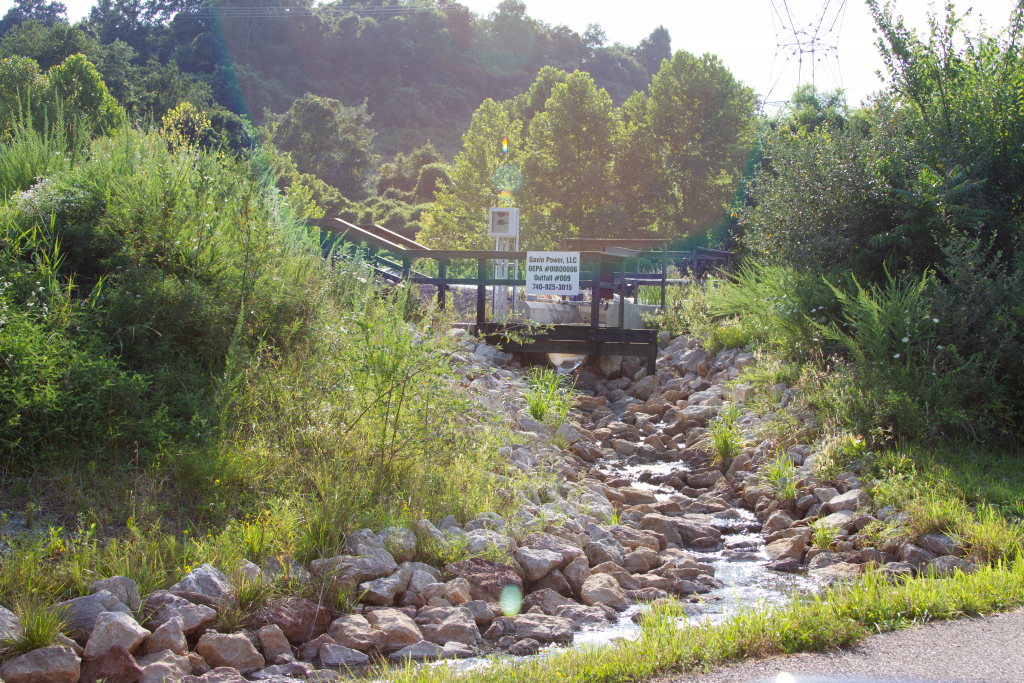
{"points": [[421, 66]]}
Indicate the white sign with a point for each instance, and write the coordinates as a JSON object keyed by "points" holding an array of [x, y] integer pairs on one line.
{"points": [[553, 272]]}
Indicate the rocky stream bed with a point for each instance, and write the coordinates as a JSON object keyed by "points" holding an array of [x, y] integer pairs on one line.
{"points": [[633, 510]]}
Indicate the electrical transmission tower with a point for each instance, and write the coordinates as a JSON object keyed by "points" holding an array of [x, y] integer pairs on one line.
{"points": [[815, 41]]}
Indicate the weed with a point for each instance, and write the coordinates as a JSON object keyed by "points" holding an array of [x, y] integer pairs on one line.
{"points": [[41, 623], [780, 471], [546, 398], [441, 553], [726, 438], [837, 454], [823, 535]]}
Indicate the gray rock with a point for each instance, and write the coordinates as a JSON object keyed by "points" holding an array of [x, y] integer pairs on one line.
{"points": [[537, 562], [399, 630], [824, 559], [459, 626], [160, 607], [543, 628], [583, 615], [163, 667], [354, 631], [479, 540], [896, 571], [289, 671], [338, 655], [122, 587], [482, 614], [421, 651], [576, 573], [400, 542], [206, 585], [947, 566], [605, 550], [114, 628], [603, 589], [547, 599], [852, 500], [10, 625], [383, 591], [456, 650], [940, 544], [231, 650], [167, 636], [81, 613], [350, 571], [427, 530], [778, 521], [55, 664], [914, 555], [524, 648], [273, 642]]}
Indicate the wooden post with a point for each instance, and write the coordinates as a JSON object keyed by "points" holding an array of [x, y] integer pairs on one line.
{"points": [[652, 358], [406, 267], [595, 296], [481, 291], [622, 297], [442, 287]]}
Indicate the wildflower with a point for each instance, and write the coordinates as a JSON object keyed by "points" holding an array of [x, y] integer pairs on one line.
{"points": [[896, 355], [939, 347], [935, 320], [906, 339]]}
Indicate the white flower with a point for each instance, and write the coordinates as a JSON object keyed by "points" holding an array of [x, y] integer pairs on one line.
{"points": [[896, 355], [935, 320], [906, 339], [939, 347]]}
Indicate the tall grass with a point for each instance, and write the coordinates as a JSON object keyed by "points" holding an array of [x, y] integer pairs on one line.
{"points": [[548, 399]]}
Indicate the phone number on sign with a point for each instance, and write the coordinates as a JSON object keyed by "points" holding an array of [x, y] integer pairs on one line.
{"points": [[551, 288]]}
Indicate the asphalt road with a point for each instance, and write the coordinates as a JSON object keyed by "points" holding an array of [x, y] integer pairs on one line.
{"points": [[976, 650]]}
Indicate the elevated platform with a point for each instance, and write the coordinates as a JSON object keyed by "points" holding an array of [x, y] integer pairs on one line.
{"points": [[575, 339]]}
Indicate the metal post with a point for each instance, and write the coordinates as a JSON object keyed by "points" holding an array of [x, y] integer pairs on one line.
{"points": [[595, 296], [664, 273], [406, 267], [481, 291], [622, 297], [442, 287]]}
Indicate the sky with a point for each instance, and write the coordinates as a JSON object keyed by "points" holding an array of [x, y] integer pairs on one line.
{"points": [[745, 34]]}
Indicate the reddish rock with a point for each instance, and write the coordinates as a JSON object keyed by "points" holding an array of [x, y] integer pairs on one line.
{"points": [[300, 620], [486, 578], [116, 665]]}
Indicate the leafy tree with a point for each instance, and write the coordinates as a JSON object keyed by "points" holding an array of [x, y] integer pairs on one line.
{"points": [[329, 140], [77, 86], [654, 49], [22, 87], [810, 109], [45, 13], [703, 120], [47, 45], [570, 152], [460, 210]]}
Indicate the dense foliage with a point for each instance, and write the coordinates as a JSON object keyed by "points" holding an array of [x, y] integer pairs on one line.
{"points": [[661, 165]]}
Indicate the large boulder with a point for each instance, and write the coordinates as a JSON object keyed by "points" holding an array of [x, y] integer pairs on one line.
{"points": [[851, 500], [339, 655], [206, 585], [603, 589], [914, 555], [609, 366], [399, 630], [80, 614], [783, 548], [603, 550], [577, 573], [350, 571], [583, 615], [232, 650], [690, 530], [384, 590], [459, 626], [54, 664], [635, 538], [273, 643], [114, 629], [946, 566], [536, 562], [542, 541], [10, 625], [163, 667], [400, 542], [938, 543], [479, 540], [421, 651], [126, 590], [547, 599], [160, 607], [544, 629], [116, 665], [300, 620], [487, 578], [646, 387], [167, 636], [555, 580], [661, 524], [354, 631]]}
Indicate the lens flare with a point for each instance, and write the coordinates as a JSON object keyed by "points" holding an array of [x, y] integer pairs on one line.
{"points": [[507, 178], [511, 600], [504, 145]]}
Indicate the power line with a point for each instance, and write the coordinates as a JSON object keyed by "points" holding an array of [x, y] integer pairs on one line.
{"points": [[817, 39]]}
